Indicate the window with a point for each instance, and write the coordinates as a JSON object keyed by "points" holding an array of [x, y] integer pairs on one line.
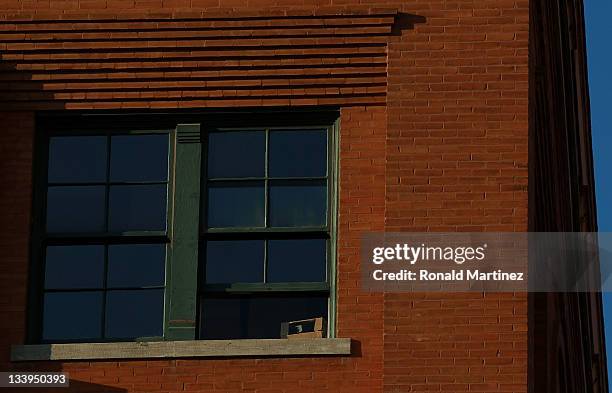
{"points": [[104, 238], [193, 232], [266, 231]]}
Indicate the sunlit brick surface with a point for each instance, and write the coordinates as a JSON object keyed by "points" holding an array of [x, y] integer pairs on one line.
{"points": [[433, 138]]}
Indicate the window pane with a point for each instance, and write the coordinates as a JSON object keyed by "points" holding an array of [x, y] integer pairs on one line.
{"points": [[139, 158], [72, 316], [236, 154], [236, 204], [136, 265], [256, 317], [298, 153], [77, 159], [298, 203], [234, 261], [301, 260], [132, 314], [71, 267], [75, 209], [137, 208]]}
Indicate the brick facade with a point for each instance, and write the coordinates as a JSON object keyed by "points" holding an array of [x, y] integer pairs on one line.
{"points": [[434, 136]]}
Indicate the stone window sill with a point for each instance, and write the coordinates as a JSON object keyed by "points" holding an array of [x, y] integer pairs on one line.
{"points": [[184, 349]]}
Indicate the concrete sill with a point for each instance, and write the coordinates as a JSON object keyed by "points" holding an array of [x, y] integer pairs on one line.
{"points": [[183, 349]]}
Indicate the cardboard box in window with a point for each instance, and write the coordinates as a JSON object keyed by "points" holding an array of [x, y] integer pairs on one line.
{"points": [[306, 328]]}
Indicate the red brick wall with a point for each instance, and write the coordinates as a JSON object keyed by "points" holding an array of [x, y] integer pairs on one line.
{"points": [[447, 153], [457, 161], [16, 147]]}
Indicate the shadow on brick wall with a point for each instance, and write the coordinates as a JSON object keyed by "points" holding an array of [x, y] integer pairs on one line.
{"points": [[405, 21], [76, 387], [22, 89], [84, 371]]}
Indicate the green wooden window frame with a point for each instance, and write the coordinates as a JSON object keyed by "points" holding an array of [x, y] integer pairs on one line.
{"points": [[186, 185]]}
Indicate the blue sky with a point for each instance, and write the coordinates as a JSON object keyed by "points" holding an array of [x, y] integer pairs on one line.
{"points": [[599, 54]]}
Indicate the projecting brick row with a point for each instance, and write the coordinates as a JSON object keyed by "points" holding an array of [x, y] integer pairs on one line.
{"points": [[158, 101], [127, 75], [310, 59], [248, 53], [247, 43], [211, 17], [173, 33], [174, 84]]}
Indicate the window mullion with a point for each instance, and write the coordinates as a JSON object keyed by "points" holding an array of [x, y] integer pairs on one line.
{"points": [[107, 226], [181, 293], [269, 288], [266, 207], [266, 184]]}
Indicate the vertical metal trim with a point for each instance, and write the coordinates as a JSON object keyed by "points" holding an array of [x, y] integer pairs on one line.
{"points": [[333, 181], [169, 228], [266, 202]]}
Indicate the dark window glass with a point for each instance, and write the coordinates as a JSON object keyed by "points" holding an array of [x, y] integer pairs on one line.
{"points": [[236, 154], [72, 316], [291, 197], [136, 265], [72, 267], [256, 316], [300, 260], [298, 153], [77, 159], [117, 269], [135, 313], [236, 204], [76, 209], [233, 261], [298, 203], [139, 158], [137, 208]]}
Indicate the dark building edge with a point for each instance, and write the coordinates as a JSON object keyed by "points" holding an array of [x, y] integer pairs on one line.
{"points": [[566, 335]]}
